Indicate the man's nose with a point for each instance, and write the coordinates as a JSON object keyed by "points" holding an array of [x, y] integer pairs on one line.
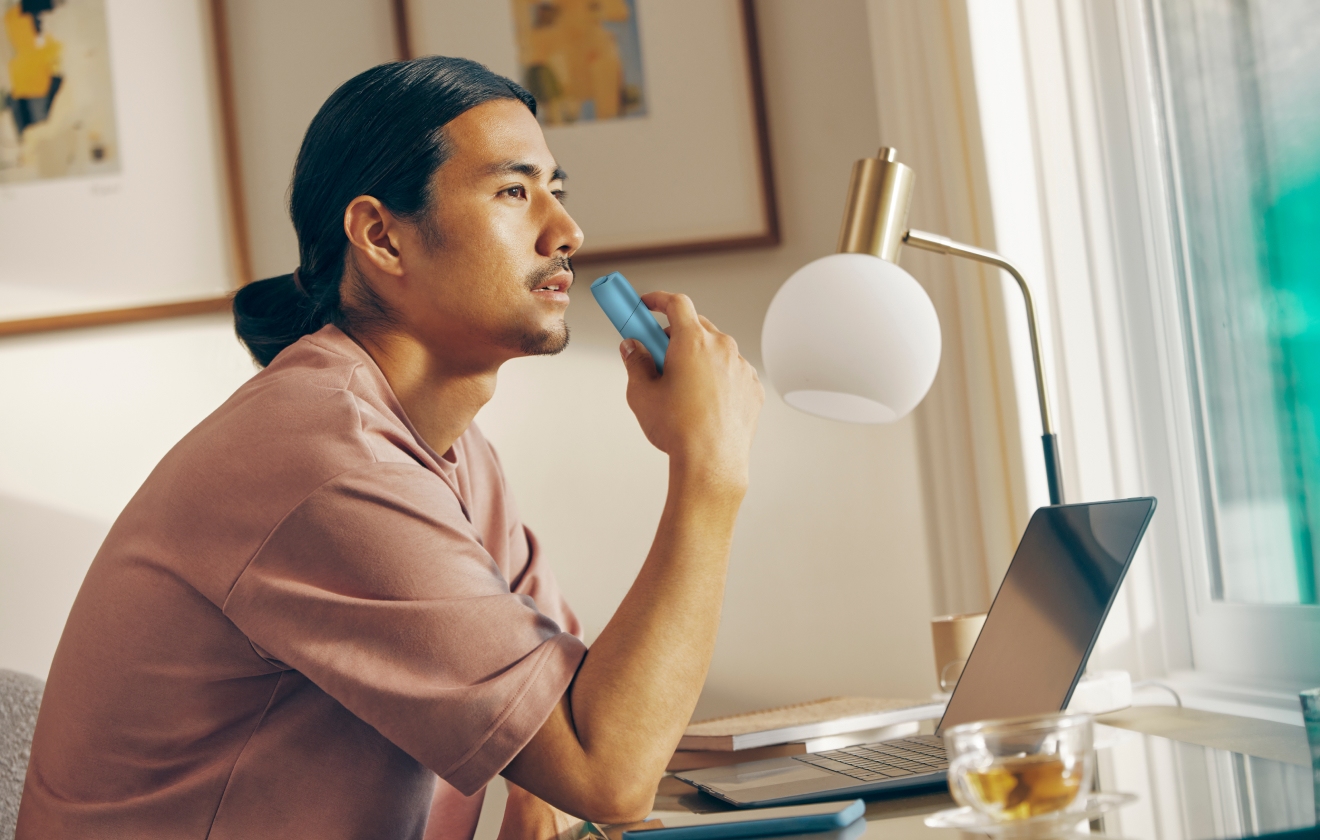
{"points": [[560, 235]]}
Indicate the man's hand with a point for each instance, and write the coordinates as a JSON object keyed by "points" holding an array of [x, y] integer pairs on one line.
{"points": [[703, 411], [603, 749]]}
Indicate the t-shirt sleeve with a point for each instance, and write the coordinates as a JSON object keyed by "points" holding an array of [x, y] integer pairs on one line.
{"points": [[378, 590], [528, 572], [537, 582]]}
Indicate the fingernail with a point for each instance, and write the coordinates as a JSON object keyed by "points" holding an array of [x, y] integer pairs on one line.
{"points": [[625, 348]]}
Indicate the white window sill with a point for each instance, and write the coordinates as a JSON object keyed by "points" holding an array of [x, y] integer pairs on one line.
{"points": [[1263, 700]]}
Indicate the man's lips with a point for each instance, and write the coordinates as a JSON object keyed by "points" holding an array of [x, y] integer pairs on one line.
{"points": [[560, 282]]}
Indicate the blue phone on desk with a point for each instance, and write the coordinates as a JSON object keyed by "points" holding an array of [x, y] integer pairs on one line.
{"points": [[761, 822], [630, 316]]}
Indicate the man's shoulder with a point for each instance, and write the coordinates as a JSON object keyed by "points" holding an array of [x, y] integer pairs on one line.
{"points": [[315, 411], [318, 365], [323, 384], [307, 394]]}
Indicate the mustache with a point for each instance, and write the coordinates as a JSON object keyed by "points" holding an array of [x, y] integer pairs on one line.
{"points": [[550, 269]]}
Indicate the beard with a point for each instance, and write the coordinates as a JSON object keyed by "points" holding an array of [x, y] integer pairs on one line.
{"points": [[542, 342]]}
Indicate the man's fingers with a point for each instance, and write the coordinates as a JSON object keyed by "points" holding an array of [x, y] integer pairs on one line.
{"points": [[665, 301], [637, 359], [677, 308]]}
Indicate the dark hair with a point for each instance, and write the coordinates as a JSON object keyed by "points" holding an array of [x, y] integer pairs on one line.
{"points": [[380, 134]]}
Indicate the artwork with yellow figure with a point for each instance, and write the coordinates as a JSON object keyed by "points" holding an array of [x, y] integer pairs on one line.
{"points": [[581, 59], [57, 115]]}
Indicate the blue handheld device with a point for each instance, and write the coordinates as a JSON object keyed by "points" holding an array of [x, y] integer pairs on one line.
{"points": [[630, 316], [757, 822]]}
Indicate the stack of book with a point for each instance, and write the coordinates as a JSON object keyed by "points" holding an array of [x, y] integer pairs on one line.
{"points": [[819, 725]]}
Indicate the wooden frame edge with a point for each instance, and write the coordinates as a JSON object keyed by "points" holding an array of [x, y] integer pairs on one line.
{"points": [[769, 198], [679, 249], [232, 153], [236, 212], [109, 317], [402, 30]]}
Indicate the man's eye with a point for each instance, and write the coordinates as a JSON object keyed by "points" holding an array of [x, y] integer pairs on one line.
{"points": [[516, 192], [561, 195]]}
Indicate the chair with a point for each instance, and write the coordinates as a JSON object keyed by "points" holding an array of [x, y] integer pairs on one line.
{"points": [[20, 697]]}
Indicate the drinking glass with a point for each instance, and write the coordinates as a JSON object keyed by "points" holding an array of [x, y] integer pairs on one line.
{"points": [[1020, 768], [1311, 716]]}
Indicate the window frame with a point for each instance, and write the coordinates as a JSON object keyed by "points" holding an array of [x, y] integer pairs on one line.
{"points": [[1128, 388], [1275, 645]]}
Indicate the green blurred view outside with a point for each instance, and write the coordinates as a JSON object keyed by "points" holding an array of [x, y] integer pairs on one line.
{"points": [[1243, 84]]}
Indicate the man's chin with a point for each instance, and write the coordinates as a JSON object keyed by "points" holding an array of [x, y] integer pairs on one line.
{"points": [[545, 342]]}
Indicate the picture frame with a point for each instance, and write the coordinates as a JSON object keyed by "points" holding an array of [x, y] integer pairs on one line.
{"points": [[226, 229], [161, 235], [698, 151]]}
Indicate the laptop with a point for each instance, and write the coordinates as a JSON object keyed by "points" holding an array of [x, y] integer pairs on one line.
{"points": [[1031, 652]]}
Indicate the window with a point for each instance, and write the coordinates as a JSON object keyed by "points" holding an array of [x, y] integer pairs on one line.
{"points": [[1175, 150], [1243, 94]]}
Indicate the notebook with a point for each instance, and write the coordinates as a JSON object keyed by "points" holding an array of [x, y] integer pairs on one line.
{"points": [[804, 721]]}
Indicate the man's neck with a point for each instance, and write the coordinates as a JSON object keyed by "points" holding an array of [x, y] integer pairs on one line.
{"points": [[440, 402]]}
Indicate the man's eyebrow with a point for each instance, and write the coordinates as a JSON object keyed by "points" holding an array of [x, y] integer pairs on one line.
{"points": [[531, 170]]}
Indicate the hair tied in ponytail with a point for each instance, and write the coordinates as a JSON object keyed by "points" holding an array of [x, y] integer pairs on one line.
{"points": [[380, 134]]}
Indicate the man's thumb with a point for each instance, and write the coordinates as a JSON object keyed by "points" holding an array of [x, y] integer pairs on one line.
{"points": [[637, 359]]}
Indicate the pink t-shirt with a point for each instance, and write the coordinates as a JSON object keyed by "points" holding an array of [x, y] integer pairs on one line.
{"points": [[301, 618]]}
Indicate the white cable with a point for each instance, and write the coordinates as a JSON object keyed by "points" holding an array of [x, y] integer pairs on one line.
{"points": [[1157, 684]]}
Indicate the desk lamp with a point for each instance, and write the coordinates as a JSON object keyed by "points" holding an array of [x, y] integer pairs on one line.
{"points": [[853, 337]]}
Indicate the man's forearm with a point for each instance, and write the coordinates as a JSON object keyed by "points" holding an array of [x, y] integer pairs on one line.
{"points": [[636, 689], [604, 747]]}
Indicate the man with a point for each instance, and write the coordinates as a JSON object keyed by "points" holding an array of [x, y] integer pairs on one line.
{"points": [[323, 597]]}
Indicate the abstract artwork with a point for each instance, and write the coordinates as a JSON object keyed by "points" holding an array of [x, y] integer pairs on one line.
{"points": [[581, 59], [57, 114], [111, 117]]}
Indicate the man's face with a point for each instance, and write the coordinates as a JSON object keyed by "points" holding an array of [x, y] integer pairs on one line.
{"points": [[492, 281]]}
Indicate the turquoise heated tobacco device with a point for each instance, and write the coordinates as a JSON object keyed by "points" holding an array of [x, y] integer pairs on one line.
{"points": [[630, 316]]}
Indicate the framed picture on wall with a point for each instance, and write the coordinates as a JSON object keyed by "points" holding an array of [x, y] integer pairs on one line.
{"points": [[116, 195], [654, 108]]}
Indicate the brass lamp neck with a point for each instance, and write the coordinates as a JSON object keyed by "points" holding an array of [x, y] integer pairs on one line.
{"points": [[875, 223], [875, 220]]}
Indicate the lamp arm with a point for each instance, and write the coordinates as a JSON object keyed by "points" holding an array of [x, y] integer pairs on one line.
{"points": [[945, 245]]}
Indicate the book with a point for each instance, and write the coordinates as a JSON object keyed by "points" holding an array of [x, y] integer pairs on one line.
{"points": [[803, 721], [698, 759]]}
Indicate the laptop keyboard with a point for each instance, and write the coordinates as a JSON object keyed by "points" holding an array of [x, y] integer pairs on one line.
{"points": [[885, 760]]}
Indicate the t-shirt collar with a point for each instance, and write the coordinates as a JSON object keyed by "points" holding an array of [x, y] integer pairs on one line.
{"points": [[336, 340]]}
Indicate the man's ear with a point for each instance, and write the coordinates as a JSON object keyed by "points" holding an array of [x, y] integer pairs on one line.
{"points": [[372, 230]]}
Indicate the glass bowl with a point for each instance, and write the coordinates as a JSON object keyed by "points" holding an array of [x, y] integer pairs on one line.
{"points": [[1021, 768]]}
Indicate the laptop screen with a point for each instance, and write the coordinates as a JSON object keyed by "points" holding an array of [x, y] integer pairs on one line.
{"points": [[1049, 610]]}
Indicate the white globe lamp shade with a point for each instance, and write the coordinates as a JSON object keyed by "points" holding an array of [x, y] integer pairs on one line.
{"points": [[852, 337]]}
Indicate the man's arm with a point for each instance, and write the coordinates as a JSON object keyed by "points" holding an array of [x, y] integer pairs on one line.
{"points": [[604, 748]]}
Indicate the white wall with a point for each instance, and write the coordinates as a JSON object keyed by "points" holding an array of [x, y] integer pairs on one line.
{"points": [[86, 416], [286, 58], [828, 592]]}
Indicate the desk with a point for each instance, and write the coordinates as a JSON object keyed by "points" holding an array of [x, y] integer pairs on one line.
{"points": [[1199, 775]]}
